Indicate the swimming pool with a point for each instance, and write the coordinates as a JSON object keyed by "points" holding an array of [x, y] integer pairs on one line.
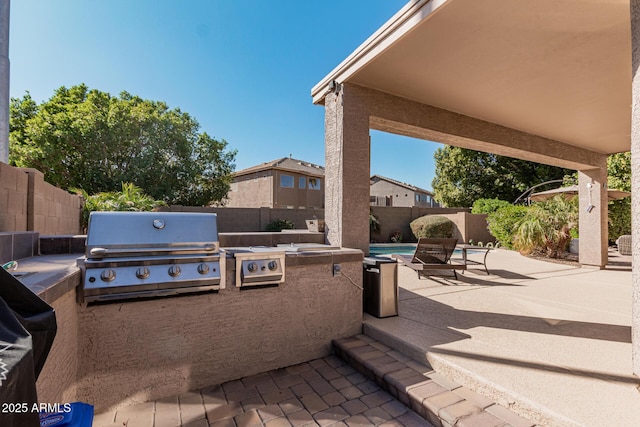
{"points": [[392, 248], [404, 249]]}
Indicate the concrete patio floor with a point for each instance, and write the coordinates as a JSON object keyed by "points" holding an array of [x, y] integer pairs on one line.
{"points": [[550, 341]]}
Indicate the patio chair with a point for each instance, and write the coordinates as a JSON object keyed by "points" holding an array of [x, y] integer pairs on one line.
{"points": [[624, 244], [432, 255]]}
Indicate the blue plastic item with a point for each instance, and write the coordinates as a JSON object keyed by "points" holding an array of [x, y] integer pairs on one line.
{"points": [[75, 414]]}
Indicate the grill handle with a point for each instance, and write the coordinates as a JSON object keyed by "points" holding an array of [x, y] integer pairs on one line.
{"points": [[105, 251]]}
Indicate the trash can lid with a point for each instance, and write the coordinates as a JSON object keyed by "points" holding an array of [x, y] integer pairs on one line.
{"points": [[373, 260]]}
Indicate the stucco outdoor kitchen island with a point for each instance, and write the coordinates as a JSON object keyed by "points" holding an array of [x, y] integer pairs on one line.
{"points": [[129, 351]]}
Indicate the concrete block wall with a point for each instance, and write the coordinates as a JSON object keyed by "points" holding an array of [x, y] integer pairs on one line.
{"points": [[13, 198], [27, 203], [476, 226], [238, 220], [393, 219], [52, 211]]}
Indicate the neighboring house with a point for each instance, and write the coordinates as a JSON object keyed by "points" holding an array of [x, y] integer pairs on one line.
{"points": [[281, 183], [389, 192]]}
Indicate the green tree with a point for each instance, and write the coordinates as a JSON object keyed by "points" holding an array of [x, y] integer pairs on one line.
{"points": [[619, 171], [91, 140], [463, 176], [487, 206]]}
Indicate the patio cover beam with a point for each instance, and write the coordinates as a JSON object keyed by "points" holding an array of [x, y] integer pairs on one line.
{"points": [[402, 116]]}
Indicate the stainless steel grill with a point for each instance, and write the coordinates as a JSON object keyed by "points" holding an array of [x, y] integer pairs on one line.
{"points": [[150, 254]]}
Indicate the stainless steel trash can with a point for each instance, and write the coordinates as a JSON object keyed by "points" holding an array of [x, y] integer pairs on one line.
{"points": [[380, 286]]}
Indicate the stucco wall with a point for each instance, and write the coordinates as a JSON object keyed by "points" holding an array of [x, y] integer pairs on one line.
{"points": [[252, 191], [262, 189], [57, 381], [296, 197], [402, 197], [143, 350]]}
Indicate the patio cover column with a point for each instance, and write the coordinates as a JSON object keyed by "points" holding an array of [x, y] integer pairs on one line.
{"points": [[635, 182], [593, 216], [347, 171], [4, 81]]}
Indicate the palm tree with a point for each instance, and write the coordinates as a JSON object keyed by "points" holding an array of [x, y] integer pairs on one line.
{"points": [[546, 227]]}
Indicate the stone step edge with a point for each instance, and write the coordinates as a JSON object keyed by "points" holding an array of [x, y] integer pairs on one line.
{"points": [[442, 402], [516, 403]]}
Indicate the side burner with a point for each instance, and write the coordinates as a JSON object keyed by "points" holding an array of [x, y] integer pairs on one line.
{"points": [[259, 266]]}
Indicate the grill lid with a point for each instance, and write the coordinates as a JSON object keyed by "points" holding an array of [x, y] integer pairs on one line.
{"points": [[121, 234]]}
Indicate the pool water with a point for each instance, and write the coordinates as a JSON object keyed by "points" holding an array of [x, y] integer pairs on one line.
{"points": [[401, 249], [392, 248]]}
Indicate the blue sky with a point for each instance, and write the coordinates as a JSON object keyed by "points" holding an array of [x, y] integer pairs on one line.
{"points": [[244, 69]]}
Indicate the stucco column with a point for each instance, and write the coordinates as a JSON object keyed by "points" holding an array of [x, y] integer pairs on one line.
{"points": [[593, 211], [346, 169], [4, 81], [635, 182]]}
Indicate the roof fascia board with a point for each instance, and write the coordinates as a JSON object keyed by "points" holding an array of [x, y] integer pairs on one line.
{"points": [[391, 31], [404, 185], [299, 172], [277, 168]]}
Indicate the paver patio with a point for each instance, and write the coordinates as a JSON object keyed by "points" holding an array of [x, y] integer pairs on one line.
{"points": [[321, 392]]}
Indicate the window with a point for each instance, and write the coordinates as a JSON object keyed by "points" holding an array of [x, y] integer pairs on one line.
{"points": [[286, 181], [314, 183], [302, 182]]}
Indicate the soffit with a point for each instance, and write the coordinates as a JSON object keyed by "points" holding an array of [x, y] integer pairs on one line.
{"points": [[560, 69]]}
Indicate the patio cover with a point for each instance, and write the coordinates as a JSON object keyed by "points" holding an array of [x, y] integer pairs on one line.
{"points": [[552, 81], [560, 69]]}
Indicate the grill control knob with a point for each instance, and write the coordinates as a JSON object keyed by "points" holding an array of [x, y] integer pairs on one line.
{"points": [[273, 265], [252, 267], [203, 268], [108, 275], [174, 271], [142, 273]]}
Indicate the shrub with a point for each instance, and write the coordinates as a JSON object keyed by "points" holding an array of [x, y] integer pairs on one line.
{"points": [[619, 218], [280, 224], [487, 206], [131, 198], [545, 229], [432, 226], [503, 223]]}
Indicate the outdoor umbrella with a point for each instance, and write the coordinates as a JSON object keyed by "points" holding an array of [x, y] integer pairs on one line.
{"points": [[572, 191]]}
